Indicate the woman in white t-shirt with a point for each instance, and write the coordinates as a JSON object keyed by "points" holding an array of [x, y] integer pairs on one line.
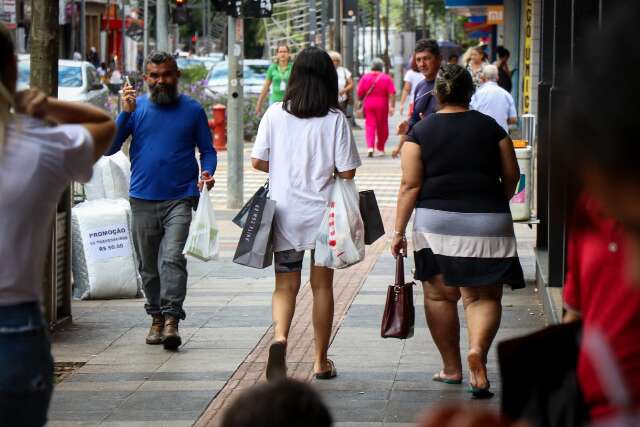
{"points": [[37, 163], [345, 82], [303, 143], [411, 79]]}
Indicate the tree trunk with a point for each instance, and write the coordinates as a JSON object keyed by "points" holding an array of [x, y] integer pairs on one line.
{"points": [[44, 46], [44, 76]]}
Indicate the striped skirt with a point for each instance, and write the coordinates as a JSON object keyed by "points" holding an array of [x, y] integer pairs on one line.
{"points": [[469, 249]]}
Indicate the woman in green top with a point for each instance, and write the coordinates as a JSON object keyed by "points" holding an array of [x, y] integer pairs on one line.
{"points": [[278, 74]]}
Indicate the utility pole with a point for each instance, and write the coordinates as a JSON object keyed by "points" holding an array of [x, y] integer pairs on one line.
{"points": [[312, 22], [162, 22], [387, 61], [235, 126], [325, 24], [378, 38], [122, 44], [349, 42], [145, 46], [337, 25], [83, 29]]}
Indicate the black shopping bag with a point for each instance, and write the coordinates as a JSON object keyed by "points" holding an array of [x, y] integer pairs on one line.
{"points": [[373, 226], [255, 248], [552, 397], [241, 216]]}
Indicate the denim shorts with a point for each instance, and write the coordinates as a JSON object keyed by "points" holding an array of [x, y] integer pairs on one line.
{"points": [[289, 261], [26, 377]]}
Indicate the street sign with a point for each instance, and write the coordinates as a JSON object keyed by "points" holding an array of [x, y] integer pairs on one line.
{"points": [[8, 12]]}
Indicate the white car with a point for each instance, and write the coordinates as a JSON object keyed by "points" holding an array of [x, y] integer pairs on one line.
{"points": [[77, 81], [255, 73], [186, 62]]}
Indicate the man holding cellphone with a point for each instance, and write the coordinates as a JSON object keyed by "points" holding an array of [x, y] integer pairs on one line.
{"points": [[166, 127]]}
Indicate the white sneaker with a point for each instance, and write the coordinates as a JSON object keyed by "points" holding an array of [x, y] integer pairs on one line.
{"points": [[370, 152]]}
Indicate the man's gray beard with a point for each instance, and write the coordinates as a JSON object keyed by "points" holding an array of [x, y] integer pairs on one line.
{"points": [[161, 97]]}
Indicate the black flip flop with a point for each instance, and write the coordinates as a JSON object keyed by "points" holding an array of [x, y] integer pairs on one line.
{"points": [[328, 374], [276, 364], [480, 393]]}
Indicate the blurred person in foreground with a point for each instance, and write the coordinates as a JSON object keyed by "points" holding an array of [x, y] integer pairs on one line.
{"points": [[165, 127], [286, 403], [602, 286], [459, 172], [44, 145], [428, 60], [303, 143], [494, 101], [378, 94]]}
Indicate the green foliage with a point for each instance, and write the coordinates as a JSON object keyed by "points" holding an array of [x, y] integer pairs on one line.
{"points": [[194, 73]]}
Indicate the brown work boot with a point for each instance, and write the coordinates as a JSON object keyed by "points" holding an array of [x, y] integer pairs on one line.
{"points": [[155, 332], [171, 339]]}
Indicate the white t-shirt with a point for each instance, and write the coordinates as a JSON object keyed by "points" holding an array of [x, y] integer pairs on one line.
{"points": [[303, 155], [37, 164], [413, 78], [492, 100], [343, 76]]}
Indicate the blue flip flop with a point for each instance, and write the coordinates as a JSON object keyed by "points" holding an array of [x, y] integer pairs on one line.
{"points": [[440, 379]]}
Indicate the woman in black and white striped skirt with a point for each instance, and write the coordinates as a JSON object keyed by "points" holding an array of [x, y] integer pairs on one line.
{"points": [[459, 175]]}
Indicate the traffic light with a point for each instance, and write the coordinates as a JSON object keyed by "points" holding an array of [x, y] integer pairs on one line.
{"points": [[180, 13], [245, 8], [257, 8]]}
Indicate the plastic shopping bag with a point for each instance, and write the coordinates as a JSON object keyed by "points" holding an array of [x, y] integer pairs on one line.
{"points": [[340, 239], [202, 242]]}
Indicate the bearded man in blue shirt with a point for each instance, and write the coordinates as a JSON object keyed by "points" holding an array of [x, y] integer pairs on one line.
{"points": [[165, 127]]}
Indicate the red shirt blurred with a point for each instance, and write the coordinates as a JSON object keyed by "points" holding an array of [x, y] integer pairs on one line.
{"points": [[597, 287]]}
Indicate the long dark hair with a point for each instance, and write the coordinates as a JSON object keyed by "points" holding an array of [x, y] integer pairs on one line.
{"points": [[313, 85]]}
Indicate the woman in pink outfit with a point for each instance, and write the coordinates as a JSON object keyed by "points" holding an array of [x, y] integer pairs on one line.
{"points": [[378, 92]]}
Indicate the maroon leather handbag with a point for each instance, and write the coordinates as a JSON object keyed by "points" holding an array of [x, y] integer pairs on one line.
{"points": [[399, 313]]}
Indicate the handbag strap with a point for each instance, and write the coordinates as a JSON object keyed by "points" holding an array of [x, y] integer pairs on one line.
{"points": [[399, 270], [372, 87]]}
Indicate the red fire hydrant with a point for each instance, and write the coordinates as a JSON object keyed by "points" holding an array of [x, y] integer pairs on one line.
{"points": [[218, 125]]}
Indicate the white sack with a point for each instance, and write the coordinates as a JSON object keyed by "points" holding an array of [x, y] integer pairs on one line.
{"points": [[111, 178], [103, 255]]}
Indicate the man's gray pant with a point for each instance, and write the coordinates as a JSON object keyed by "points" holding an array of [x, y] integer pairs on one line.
{"points": [[160, 230]]}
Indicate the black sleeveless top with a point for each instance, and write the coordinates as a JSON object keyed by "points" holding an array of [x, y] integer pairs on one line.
{"points": [[461, 160]]}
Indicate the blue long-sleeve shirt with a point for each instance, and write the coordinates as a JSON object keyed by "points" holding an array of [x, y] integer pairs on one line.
{"points": [[164, 138], [424, 102]]}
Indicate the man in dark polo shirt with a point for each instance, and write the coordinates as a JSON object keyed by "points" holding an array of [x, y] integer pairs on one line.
{"points": [[428, 59]]}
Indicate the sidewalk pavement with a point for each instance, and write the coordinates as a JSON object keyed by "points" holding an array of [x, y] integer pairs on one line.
{"points": [[124, 382]]}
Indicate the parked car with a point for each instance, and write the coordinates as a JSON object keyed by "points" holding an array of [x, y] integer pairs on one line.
{"points": [[255, 73], [77, 81]]}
